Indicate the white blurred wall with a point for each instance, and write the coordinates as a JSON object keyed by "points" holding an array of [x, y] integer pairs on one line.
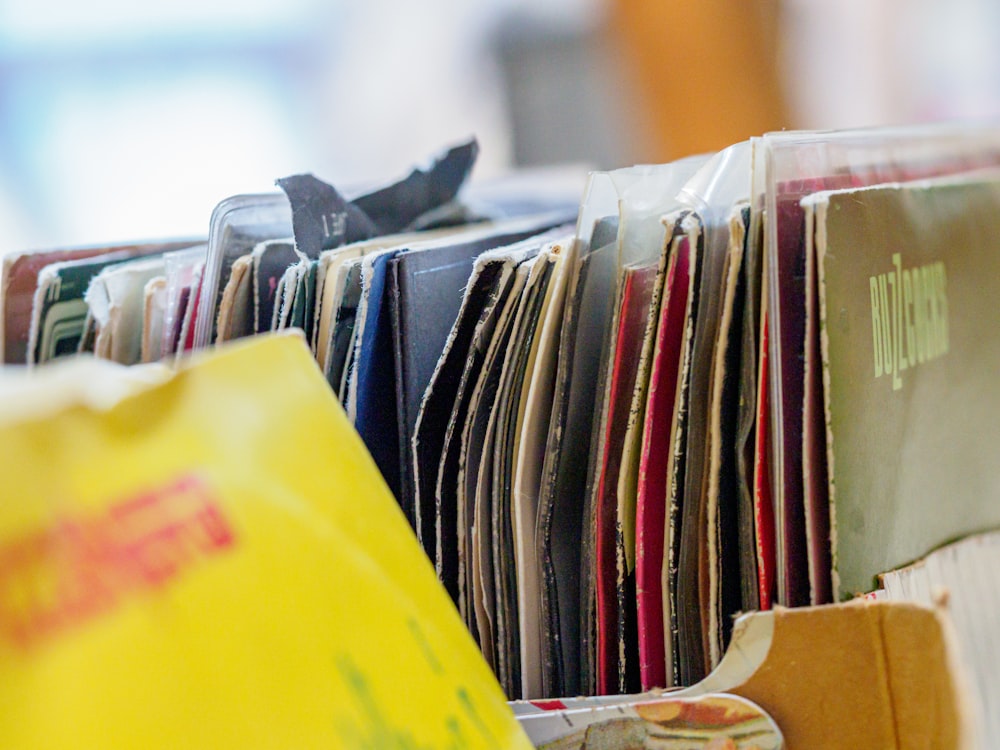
{"points": [[877, 62], [123, 120]]}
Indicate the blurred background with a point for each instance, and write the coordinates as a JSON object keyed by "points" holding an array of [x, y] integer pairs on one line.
{"points": [[122, 120]]}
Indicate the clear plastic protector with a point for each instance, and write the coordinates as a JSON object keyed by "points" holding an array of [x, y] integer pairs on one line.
{"points": [[795, 165], [237, 225], [181, 271], [708, 513], [624, 207]]}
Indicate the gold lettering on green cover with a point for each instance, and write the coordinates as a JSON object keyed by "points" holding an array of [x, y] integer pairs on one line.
{"points": [[942, 290], [932, 309], [910, 358], [909, 308], [876, 325], [897, 318], [885, 319], [918, 315]]}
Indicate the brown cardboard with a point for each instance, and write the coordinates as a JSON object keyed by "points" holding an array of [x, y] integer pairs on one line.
{"points": [[861, 675], [864, 675]]}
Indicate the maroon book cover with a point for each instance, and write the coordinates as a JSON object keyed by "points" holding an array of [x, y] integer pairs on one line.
{"points": [[20, 280], [788, 373], [637, 289], [763, 502], [651, 508]]}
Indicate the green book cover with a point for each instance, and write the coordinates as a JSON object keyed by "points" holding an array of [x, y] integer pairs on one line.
{"points": [[59, 309], [909, 282]]}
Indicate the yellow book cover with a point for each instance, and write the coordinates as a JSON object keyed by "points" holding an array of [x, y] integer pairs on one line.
{"points": [[209, 558]]}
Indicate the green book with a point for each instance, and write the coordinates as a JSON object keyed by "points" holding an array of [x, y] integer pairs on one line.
{"points": [[909, 325]]}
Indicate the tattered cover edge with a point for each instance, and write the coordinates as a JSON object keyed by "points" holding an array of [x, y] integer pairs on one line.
{"points": [[731, 279], [814, 419], [552, 668], [652, 659], [534, 424], [677, 463], [504, 550]]}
